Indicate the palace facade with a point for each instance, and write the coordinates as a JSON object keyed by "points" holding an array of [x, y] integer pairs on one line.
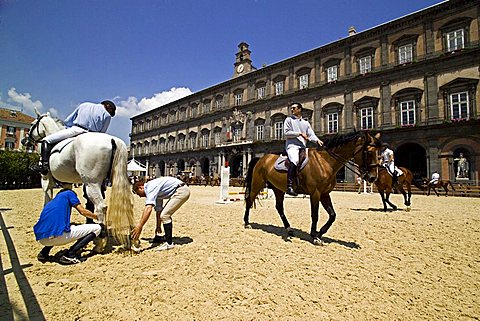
{"points": [[415, 79], [14, 126]]}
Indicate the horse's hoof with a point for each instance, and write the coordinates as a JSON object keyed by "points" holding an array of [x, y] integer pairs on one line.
{"points": [[407, 209], [97, 249], [248, 226], [289, 231], [317, 241]]}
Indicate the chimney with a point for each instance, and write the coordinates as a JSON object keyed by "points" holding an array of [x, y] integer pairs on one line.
{"points": [[351, 31]]}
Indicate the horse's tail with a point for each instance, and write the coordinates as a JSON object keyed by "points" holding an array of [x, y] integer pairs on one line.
{"points": [[120, 204], [418, 185], [249, 177], [451, 185]]}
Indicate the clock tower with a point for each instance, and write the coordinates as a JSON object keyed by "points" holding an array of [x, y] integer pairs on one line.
{"points": [[243, 63]]}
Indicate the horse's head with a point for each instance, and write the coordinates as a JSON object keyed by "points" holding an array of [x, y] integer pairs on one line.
{"points": [[366, 154], [42, 126]]}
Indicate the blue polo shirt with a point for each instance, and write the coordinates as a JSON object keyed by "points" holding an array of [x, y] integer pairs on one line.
{"points": [[55, 217]]}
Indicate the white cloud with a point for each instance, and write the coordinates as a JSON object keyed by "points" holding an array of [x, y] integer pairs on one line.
{"points": [[24, 101], [131, 106]]}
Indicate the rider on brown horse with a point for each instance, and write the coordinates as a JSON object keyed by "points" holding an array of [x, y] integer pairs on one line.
{"points": [[387, 160], [297, 132]]}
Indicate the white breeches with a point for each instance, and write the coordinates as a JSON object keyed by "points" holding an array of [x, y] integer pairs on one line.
{"points": [[64, 134], [180, 196], [76, 232], [293, 153], [390, 167]]}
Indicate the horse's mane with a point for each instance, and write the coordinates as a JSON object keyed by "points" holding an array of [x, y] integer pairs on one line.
{"points": [[335, 140]]}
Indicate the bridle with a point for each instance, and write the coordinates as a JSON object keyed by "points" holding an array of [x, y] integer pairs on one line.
{"points": [[363, 170], [35, 127]]}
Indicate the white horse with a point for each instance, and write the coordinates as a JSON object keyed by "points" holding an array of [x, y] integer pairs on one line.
{"points": [[89, 159]]}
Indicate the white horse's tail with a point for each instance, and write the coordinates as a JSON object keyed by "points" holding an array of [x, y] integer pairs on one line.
{"points": [[120, 204]]}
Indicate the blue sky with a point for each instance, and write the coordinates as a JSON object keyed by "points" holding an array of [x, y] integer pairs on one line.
{"points": [[56, 54]]}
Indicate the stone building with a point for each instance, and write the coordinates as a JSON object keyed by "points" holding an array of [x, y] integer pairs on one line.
{"points": [[14, 126], [414, 78]]}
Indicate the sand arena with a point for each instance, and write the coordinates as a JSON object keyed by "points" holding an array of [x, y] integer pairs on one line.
{"points": [[417, 265]]}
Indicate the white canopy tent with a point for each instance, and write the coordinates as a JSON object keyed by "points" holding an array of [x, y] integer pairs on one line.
{"points": [[136, 168]]}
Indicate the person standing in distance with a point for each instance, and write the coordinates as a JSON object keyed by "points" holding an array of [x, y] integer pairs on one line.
{"points": [[174, 191], [297, 132], [87, 117]]}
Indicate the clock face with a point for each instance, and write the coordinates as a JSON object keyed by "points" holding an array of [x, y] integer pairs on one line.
{"points": [[240, 68]]}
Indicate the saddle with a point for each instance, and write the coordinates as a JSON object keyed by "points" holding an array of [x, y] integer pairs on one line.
{"points": [[282, 162], [397, 170], [61, 145]]}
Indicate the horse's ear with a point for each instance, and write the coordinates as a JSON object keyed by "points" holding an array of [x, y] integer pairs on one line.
{"points": [[37, 112], [48, 114]]}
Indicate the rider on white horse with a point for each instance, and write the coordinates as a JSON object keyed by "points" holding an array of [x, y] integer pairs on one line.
{"points": [[388, 161], [87, 117]]}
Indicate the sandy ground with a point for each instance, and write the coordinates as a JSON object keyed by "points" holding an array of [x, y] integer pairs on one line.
{"points": [[417, 265]]}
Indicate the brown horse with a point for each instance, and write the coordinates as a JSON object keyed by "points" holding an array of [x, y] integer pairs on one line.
{"points": [[383, 181], [317, 179], [442, 183]]}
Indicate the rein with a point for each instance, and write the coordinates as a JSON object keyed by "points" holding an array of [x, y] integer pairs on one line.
{"points": [[349, 163], [35, 127]]}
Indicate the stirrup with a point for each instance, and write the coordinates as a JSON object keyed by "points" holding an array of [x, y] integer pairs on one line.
{"points": [[42, 169], [291, 192]]}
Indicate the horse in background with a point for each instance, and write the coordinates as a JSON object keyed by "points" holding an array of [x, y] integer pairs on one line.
{"points": [[90, 159], [383, 181], [442, 183], [317, 178]]}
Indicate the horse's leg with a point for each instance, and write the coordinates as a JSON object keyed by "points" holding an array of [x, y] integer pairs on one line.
{"points": [[384, 200], [47, 187], [435, 190], [328, 206], [387, 199], [94, 194], [279, 198], [89, 205], [256, 186]]}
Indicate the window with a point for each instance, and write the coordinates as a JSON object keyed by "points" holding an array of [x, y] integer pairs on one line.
{"points": [[216, 137], [193, 141], [365, 64], [366, 118], [332, 73], [162, 145], [9, 145], [278, 130], [259, 131], [206, 107], [238, 99], [261, 92], [10, 131], [455, 40], [237, 133], [303, 81], [194, 111], [407, 113], [279, 87], [182, 114], [219, 103], [205, 138], [171, 144], [405, 54], [181, 142], [332, 120], [459, 105]]}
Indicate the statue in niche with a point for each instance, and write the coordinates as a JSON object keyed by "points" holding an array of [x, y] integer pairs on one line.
{"points": [[462, 166]]}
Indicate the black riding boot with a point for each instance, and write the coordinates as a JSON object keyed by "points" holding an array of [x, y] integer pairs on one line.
{"points": [[168, 228], [394, 180], [43, 167], [291, 174], [70, 256]]}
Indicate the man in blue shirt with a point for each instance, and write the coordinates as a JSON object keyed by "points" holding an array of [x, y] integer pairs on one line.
{"points": [[53, 227], [297, 132], [174, 191], [87, 117]]}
